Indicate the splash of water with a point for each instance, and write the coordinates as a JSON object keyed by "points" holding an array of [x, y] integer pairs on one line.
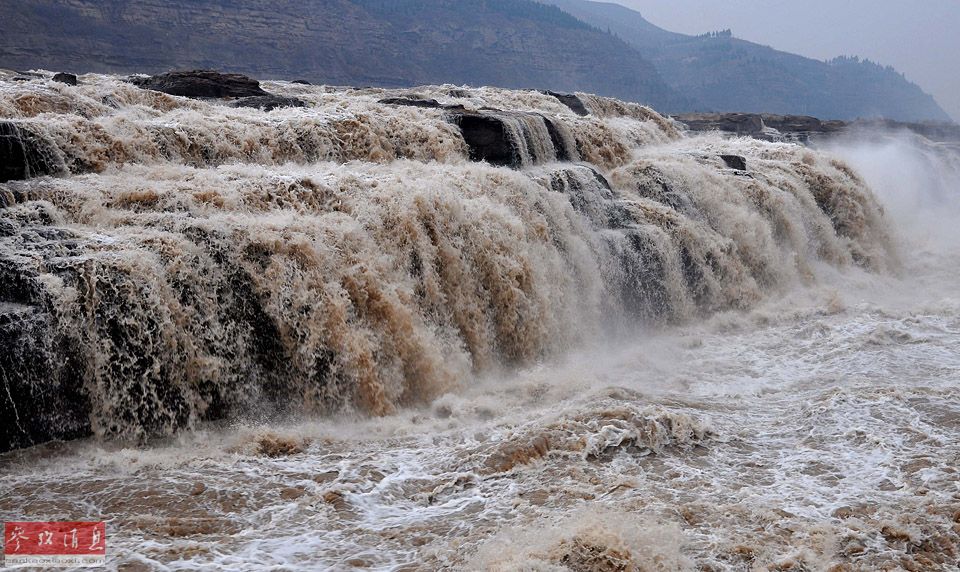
{"points": [[192, 261]]}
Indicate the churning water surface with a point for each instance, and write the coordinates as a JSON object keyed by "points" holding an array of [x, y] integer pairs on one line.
{"points": [[640, 361]]}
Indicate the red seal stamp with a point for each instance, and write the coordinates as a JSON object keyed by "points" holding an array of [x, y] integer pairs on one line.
{"points": [[54, 544]]}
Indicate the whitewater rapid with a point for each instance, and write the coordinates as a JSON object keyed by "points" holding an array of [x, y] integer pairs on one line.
{"points": [[324, 338]]}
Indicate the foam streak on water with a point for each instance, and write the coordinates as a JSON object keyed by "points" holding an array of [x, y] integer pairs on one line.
{"points": [[322, 338]]}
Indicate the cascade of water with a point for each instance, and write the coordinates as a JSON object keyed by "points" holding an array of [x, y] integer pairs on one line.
{"points": [[204, 262]]}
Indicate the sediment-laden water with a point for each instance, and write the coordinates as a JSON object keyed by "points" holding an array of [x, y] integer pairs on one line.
{"points": [[329, 337]]}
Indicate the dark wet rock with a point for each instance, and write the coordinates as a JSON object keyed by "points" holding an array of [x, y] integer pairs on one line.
{"points": [[410, 101], [764, 126], [63, 235], [7, 227], [41, 389], [202, 83], [30, 405], [17, 284], [488, 139], [601, 180], [426, 103], [458, 93], [23, 154], [571, 101], [739, 123], [510, 138], [268, 102], [794, 123], [590, 194], [301, 82], [67, 78], [27, 76], [735, 162], [653, 184]]}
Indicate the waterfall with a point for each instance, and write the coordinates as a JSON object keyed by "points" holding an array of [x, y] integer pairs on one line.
{"points": [[183, 260]]}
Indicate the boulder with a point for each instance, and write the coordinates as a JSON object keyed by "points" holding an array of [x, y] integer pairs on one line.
{"points": [[301, 82], [735, 162], [23, 154], [410, 101], [488, 139], [416, 101], [268, 102], [67, 78], [571, 101], [202, 84]]}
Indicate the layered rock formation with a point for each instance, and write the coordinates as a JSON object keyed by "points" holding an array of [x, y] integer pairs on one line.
{"points": [[805, 129], [202, 83]]}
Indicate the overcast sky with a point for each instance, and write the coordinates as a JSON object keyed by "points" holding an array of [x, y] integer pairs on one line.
{"points": [[921, 38]]}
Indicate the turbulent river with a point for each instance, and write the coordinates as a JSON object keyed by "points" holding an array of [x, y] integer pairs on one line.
{"points": [[330, 337]]}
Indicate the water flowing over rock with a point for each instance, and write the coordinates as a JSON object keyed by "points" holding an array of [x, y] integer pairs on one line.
{"points": [[488, 138], [514, 138], [764, 126], [195, 261], [739, 123], [23, 154]]}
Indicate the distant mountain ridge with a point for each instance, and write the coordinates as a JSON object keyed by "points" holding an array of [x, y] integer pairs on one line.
{"points": [[723, 73], [390, 43], [562, 45]]}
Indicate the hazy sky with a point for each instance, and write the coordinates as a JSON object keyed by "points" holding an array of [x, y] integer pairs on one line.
{"points": [[921, 38]]}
